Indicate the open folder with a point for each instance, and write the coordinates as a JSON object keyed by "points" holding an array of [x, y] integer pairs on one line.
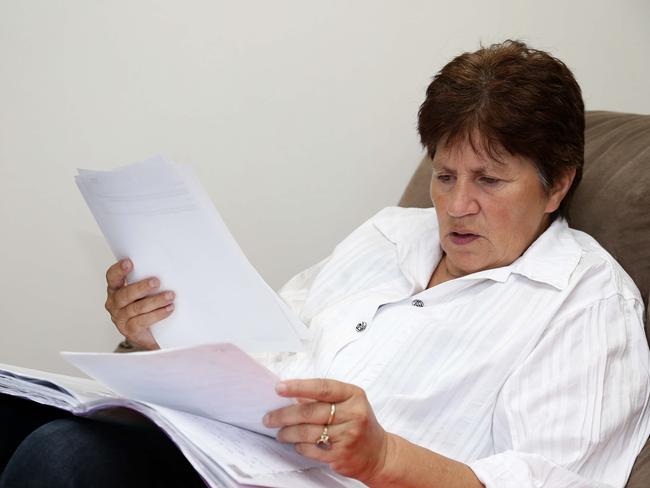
{"points": [[201, 397]]}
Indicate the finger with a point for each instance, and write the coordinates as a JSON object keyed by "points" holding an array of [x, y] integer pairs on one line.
{"points": [[320, 389], [344, 443], [136, 325], [116, 274], [135, 291], [145, 305], [310, 433], [304, 413], [312, 451], [144, 341], [137, 329], [304, 400]]}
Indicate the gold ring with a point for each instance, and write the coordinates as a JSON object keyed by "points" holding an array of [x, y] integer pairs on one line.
{"points": [[332, 413], [323, 441]]}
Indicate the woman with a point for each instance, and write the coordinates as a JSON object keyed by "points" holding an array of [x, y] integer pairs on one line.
{"points": [[479, 343]]}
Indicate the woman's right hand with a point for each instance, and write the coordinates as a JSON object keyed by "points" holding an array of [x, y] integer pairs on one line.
{"points": [[135, 307]]}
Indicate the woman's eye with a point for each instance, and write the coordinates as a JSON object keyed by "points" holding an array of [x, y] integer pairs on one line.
{"points": [[444, 178], [486, 180]]}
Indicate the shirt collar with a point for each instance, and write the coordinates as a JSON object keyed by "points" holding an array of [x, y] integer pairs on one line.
{"points": [[415, 235], [550, 259]]}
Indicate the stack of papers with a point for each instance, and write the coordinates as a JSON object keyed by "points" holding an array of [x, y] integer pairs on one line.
{"points": [[224, 455], [202, 387]]}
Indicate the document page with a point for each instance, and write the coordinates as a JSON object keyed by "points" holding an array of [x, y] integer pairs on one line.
{"points": [[50, 388], [240, 453], [216, 381], [248, 458], [157, 213]]}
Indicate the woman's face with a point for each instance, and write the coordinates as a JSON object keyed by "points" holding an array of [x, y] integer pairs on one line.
{"points": [[489, 211]]}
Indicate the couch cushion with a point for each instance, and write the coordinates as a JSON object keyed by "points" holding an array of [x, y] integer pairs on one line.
{"points": [[640, 477], [416, 193], [613, 201]]}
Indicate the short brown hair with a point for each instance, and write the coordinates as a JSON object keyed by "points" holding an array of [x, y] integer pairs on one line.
{"points": [[517, 99]]}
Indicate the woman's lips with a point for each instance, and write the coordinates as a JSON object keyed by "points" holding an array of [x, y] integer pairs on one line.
{"points": [[461, 239]]}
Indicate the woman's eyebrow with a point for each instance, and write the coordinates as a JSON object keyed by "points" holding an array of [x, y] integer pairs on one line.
{"points": [[479, 171], [442, 167]]}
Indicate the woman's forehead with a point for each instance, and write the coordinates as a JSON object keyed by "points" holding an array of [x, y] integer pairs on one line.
{"points": [[451, 156], [484, 146]]}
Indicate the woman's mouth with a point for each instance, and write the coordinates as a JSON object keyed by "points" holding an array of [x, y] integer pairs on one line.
{"points": [[461, 239]]}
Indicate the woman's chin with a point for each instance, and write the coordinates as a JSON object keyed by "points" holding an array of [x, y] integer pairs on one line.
{"points": [[465, 265]]}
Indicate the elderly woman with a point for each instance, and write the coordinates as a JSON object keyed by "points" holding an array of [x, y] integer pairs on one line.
{"points": [[479, 343]]}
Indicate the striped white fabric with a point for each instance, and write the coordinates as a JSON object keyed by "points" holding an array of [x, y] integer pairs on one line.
{"points": [[535, 374]]}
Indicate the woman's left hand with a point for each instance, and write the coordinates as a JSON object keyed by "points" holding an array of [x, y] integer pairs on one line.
{"points": [[357, 443]]}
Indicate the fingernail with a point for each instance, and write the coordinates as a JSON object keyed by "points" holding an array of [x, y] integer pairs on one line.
{"points": [[169, 307], [265, 420], [281, 388], [153, 283], [125, 264], [169, 295]]}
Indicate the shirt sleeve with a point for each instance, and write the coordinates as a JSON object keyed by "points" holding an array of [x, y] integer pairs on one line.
{"points": [[294, 293], [575, 412], [296, 290]]}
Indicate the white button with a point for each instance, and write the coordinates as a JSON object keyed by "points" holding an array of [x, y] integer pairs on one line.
{"points": [[361, 326]]}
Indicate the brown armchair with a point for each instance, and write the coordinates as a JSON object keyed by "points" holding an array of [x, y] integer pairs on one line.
{"points": [[612, 204]]}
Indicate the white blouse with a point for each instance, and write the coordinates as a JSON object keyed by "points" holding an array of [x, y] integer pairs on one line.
{"points": [[534, 374]]}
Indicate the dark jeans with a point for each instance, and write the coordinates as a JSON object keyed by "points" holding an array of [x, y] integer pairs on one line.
{"points": [[46, 447]]}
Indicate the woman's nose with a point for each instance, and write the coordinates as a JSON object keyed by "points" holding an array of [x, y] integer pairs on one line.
{"points": [[462, 201]]}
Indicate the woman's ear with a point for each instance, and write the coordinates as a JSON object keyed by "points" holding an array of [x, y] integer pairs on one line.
{"points": [[560, 189]]}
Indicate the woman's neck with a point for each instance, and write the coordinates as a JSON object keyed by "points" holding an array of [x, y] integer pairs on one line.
{"points": [[441, 273]]}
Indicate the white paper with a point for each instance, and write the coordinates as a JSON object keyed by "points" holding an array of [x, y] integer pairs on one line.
{"points": [[156, 213], [242, 454], [64, 390], [247, 457], [216, 381]]}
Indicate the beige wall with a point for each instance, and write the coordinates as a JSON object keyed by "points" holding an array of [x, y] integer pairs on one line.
{"points": [[299, 116]]}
